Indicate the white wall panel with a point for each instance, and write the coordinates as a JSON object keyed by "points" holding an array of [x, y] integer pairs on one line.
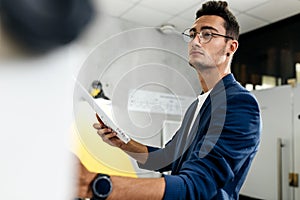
{"points": [[262, 181], [296, 121]]}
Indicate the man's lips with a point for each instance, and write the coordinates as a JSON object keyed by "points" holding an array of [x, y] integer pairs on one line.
{"points": [[195, 52]]}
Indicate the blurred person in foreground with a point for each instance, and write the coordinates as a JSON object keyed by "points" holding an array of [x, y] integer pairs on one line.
{"points": [[211, 153], [38, 26], [36, 74]]}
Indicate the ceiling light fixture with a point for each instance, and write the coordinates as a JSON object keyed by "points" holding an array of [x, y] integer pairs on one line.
{"points": [[167, 29]]}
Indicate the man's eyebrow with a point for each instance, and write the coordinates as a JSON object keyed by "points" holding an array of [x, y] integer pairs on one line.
{"points": [[203, 28], [193, 29], [209, 27]]}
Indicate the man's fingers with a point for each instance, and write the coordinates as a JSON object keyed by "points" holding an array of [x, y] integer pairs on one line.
{"points": [[98, 126], [106, 132], [108, 137], [99, 120]]}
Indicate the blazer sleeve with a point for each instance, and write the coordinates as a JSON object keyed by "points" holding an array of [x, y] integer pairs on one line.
{"points": [[162, 159]]}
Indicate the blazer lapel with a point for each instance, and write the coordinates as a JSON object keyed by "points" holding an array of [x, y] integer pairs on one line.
{"points": [[195, 128], [183, 136]]}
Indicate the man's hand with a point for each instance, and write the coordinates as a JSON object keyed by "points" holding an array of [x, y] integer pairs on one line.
{"points": [[107, 135], [135, 149], [83, 180]]}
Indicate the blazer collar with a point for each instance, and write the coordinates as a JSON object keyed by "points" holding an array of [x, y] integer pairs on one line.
{"points": [[223, 84], [219, 89]]}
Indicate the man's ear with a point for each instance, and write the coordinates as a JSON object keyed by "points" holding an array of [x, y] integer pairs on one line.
{"points": [[233, 46]]}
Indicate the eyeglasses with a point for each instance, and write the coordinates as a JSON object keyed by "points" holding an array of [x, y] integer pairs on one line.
{"points": [[205, 35]]}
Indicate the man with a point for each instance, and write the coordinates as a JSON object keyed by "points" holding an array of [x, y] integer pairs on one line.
{"points": [[211, 153]]}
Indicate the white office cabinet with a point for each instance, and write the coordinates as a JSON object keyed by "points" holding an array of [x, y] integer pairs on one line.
{"points": [[296, 120], [278, 155]]}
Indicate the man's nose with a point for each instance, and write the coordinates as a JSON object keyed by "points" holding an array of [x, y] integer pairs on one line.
{"points": [[195, 41]]}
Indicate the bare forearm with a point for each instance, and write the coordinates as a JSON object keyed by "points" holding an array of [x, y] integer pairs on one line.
{"points": [[136, 150], [132, 188]]}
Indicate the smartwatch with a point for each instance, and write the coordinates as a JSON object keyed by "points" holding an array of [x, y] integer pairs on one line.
{"points": [[101, 187]]}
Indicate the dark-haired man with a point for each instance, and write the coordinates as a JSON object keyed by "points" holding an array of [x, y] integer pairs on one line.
{"points": [[211, 153]]}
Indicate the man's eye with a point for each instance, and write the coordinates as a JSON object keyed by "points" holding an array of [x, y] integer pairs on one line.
{"points": [[192, 35], [206, 34]]}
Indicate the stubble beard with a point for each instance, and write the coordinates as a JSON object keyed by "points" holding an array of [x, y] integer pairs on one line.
{"points": [[208, 71], [202, 66]]}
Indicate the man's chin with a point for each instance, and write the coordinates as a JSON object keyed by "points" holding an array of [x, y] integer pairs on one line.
{"points": [[202, 67], [197, 65]]}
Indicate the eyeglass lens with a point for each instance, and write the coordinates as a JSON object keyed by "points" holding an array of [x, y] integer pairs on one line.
{"points": [[204, 35]]}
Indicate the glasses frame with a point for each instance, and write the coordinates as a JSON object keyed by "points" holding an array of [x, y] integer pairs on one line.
{"points": [[201, 37]]}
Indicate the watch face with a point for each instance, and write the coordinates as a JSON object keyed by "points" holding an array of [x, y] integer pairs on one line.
{"points": [[102, 187]]}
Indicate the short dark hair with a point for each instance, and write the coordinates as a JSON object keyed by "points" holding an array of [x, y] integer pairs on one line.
{"points": [[220, 8]]}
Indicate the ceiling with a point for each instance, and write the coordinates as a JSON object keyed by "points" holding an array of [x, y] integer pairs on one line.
{"points": [[251, 14]]}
